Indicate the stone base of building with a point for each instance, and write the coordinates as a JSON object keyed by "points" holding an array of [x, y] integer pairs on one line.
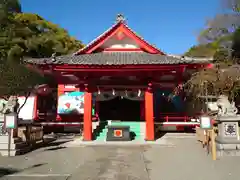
{"points": [[228, 146], [17, 146], [221, 153]]}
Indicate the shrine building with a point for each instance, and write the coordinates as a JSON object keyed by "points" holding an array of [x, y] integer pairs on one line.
{"points": [[119, 78]]}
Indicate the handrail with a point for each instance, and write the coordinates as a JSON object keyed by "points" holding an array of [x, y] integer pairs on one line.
{"points": [[172, 118]]}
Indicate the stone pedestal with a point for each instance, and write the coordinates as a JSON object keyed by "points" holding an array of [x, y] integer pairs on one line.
{"points": [[228, 135]]}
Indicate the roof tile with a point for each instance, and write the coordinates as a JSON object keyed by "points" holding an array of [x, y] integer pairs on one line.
{"points": [[116, 58]]}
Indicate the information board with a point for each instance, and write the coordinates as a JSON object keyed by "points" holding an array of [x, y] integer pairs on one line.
{"points": [[72, 103], [27, 110]]}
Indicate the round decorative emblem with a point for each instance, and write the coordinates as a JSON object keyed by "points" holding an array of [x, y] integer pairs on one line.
{"points": [[230, 129], [118, 133]]}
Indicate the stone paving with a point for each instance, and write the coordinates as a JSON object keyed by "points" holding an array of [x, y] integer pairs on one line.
{"points": [[183, 160]]}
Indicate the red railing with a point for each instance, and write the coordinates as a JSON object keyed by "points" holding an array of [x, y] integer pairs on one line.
{"points": [[170, 119], [173, 119]]}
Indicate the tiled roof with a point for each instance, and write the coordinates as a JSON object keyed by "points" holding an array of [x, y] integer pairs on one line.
{"points": [[116, 58]]}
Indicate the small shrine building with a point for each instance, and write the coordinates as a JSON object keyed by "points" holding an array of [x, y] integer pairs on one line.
{"points": [[119, 64]]}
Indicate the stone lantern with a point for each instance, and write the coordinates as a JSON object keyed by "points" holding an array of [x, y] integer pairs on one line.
{"points": [[228, 125]]}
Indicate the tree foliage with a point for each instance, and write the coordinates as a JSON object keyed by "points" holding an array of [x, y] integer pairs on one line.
{"points": [[222, 79], [27, 35], [232, 5], [207, 50], [220, 27], [221, 40], [16, 79], [236, 46]]}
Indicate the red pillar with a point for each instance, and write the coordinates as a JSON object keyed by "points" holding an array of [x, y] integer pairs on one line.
{"points": [[149, 114], [87, 117]]}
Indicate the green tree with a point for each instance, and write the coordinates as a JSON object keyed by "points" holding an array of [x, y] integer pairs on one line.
{"points": [[205, 50], [236, 46], [27, 35], [16, 79]]}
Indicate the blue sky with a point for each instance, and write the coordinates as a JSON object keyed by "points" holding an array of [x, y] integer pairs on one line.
{"points": [[171, 25]]}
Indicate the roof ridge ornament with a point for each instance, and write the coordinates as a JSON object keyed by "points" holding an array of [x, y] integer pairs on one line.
{"points": [[54, 57], [120, 18]]}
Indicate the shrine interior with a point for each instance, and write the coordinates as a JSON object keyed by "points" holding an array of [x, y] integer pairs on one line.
{"points": [[120, 109]]}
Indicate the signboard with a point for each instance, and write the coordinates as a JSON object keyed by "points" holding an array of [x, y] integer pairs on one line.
{"points": [[27, 110], [10, 121], [205, 122], [71, 103]]}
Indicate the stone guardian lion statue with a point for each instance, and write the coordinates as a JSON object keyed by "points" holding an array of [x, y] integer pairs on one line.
{"points": [[225, 108]]}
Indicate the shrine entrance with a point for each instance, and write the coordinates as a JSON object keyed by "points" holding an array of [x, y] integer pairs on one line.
{"points": [[120, 109]]}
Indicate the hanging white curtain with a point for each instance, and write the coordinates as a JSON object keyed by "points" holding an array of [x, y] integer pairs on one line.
{"points": [[106, 96], [109, 95], [132, 95]]}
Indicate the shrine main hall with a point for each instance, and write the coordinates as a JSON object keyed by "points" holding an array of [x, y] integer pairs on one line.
{"points": [[120, 78]]}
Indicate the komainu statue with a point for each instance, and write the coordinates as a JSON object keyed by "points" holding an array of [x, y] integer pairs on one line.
{"points": [[225, 108], [9, 106]]}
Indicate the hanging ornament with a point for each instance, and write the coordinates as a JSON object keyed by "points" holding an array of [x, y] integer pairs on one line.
{"points": [[99, 92], [126, 93], [139, 93]]}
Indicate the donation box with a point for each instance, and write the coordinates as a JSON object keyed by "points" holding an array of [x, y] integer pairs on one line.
{"points": [[118, 133]]}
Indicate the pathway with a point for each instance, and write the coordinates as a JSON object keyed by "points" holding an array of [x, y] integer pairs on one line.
{"points": [[184, 160]]}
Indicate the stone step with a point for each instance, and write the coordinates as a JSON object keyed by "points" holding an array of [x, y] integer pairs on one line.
{"points": [[18, 145], [14, 152], [13, 140], [136, 127]]}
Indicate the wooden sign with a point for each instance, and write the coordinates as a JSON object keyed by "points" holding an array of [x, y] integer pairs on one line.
{"points": [[206, 123], [10, 121]]}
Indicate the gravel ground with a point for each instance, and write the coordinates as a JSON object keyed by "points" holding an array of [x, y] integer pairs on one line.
{"points": [[186, 160]]}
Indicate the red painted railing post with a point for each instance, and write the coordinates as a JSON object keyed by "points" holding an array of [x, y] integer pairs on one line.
{"points": [[166, 118]]}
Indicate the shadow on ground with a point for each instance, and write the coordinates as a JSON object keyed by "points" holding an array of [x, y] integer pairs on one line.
{"points": [[53, 142], [132, 135], [160, 134], [9, 171]]}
